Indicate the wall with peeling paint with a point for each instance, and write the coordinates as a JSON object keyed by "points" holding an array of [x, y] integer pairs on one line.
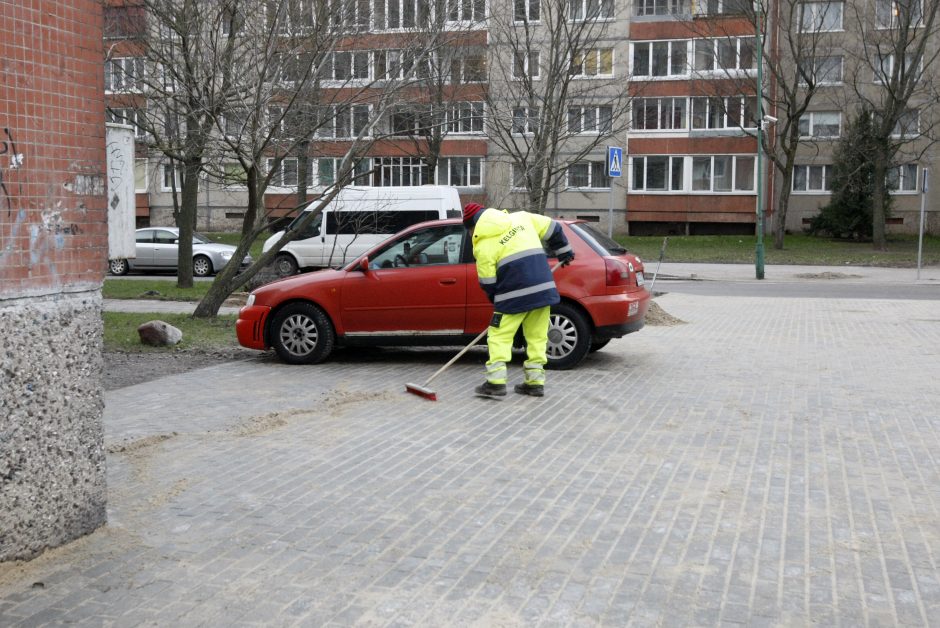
{"points": [[53, 252]]}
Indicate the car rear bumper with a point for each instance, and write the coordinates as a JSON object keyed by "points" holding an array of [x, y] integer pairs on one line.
{"points": [[250, 326], [616, 315]]}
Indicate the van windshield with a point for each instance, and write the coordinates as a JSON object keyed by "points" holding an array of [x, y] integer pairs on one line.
{"points": [[313, 229]]}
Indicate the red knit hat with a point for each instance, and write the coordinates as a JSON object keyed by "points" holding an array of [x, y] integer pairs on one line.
{"points": [[470, 211]]}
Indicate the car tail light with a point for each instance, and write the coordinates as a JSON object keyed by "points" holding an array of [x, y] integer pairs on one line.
{"points": [[618, 273]]}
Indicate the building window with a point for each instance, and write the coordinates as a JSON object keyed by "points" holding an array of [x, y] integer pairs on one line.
{"points": [[172, 177], [141, 175], [468, 69], [812, 179], [724, 54], [129, 116], [908, 124], [580, 10], [823, 70], [660, 58], [817, 17], [525, 120], [517, 175], [344, 121], [400, 64], [353, 15], [890, 13], [345, 66], [124, 74], [399, 171], [411, 120], [465, 117], [526, 65], [394, 14], [660, 114], [590, 119], [466, 10], [327, 169], [722, 173], [821, 124], [591, 63], [733, 112], [884, 68], [526, 10], [461, 172], [291, 17], [285, 175], [658, 173], [903, 178], [662, 7], [588, 175], [722, 7]]}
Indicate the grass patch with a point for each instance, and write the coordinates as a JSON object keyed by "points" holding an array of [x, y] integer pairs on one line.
{"points": [[798, 249], [120, 332], [166, 288]]}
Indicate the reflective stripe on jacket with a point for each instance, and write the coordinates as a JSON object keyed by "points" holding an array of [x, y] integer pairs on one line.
{"points": [[511, 262]]}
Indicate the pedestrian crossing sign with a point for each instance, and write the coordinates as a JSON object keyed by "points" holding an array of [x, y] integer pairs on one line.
{"points": [[614, 161]]}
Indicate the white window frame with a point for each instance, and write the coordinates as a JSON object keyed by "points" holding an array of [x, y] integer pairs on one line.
{"points": [[514, 179], [733, 188], [898, 132], [598, 54], [591, 165], [287, 175], [817, 12], [362, 179], [673, 46], [712, 47], [580, 10], [177, 176], [286, 24], [461, 63], [476, 8], [522, 65], [718, 7], [585, 112], [353, 77], [808, 120], [461, 118], [142, 164], [529, 8], [726, 120], [230, 185], [890, 8], [357, 23], [884, 68], [117, 78], [900, 179], [825, 177], [662, 103], [472, 171], [643, 8], [413, 166], [671, 162], [128, 116], [399, 65], [817, 70], [331, 130], [528, 117]]}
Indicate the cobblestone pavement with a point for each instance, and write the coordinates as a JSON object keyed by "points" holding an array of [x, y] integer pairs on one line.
{"points": [[770, 462]]}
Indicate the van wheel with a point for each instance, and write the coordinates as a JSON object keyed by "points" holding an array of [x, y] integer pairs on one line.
{"points": [[285, 265], [301, 333]]}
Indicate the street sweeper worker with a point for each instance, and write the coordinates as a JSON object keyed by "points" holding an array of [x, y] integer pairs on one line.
{"points": [[514, 273]]}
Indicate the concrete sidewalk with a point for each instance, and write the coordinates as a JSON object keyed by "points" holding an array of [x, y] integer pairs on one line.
{"points": [[768, 462], [791, 273]]}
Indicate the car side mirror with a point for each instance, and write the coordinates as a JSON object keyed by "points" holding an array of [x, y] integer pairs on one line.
{"points": [[364, 264]]}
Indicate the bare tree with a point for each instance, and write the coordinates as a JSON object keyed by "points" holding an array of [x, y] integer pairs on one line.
{"points": [[894, 77], [552, 73]]}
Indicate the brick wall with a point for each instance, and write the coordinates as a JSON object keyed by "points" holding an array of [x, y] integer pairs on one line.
{"points": [[53, 250]]}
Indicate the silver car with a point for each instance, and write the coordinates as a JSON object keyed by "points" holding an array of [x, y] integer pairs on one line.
{"points": [[157, 249]]}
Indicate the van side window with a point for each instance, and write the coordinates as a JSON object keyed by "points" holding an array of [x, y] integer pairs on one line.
{"points": [[375, 222]]}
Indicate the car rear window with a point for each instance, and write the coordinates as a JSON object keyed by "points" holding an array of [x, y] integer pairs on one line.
{"points": [[601, 243]]}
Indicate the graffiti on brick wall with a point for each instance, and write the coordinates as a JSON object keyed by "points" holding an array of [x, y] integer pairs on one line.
{"points": [[14, 161]]}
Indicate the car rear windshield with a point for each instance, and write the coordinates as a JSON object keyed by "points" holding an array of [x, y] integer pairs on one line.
{"points": [[602, 244]]}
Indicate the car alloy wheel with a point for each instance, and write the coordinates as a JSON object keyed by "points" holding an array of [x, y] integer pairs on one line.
{"points": [[302, 334], [118, 266], [202, 267], [569, 337]]}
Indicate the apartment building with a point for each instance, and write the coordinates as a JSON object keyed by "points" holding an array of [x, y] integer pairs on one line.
{"points": [[688, 69]]}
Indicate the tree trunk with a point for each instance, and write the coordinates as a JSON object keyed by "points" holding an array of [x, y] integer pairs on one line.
{"points": [[186, 220], [879, 197], [783, 204]]}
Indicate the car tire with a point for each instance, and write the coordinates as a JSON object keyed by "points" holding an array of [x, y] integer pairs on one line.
{"points": [[285, 265], [119, 266], [597, 345], [202, 266], [569, 337], [301, 333]]}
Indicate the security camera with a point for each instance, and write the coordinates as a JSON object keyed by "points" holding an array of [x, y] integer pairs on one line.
{"points": [[769, 119]]}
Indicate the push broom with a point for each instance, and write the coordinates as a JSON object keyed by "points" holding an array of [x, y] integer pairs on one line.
{"points": [[427, 393]]}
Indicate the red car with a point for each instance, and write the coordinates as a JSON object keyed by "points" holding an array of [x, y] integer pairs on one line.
{"points": [[420, 288]]}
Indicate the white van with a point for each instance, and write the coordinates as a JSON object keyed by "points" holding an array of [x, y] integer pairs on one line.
{"points": [[358, 219]]}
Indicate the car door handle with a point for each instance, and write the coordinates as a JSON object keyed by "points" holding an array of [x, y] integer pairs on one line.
{"points": [[449, 281]]}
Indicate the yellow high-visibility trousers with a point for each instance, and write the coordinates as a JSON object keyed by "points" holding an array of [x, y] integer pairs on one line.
{"points": [[499, 341]]}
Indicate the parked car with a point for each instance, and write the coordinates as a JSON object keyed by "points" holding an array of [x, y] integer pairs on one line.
{"points": [[158, 249], [420, 287]]}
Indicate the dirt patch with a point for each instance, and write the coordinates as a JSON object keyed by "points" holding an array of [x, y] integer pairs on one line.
{"points": [[658, 317], [827, 275], [127, 369], [141, 443]]}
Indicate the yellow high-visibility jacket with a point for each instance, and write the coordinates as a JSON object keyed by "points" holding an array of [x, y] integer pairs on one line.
{"points": [[511, 262]]}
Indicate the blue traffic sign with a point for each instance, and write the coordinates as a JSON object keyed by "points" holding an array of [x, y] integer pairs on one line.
{"points": [[614, 161]]}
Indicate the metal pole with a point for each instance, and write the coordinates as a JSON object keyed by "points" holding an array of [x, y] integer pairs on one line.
{"points": [[759, 252], [923, 210], [610, 209]]}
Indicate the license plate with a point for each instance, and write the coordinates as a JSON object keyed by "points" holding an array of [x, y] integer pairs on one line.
{"points": [[633, 308], [640, 280]]}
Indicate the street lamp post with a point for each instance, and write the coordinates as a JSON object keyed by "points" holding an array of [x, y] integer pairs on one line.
{"points": [[759, 252]]}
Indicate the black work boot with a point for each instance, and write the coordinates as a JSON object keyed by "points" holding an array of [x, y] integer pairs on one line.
{"points": [[492, 391], [533, 390]]}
